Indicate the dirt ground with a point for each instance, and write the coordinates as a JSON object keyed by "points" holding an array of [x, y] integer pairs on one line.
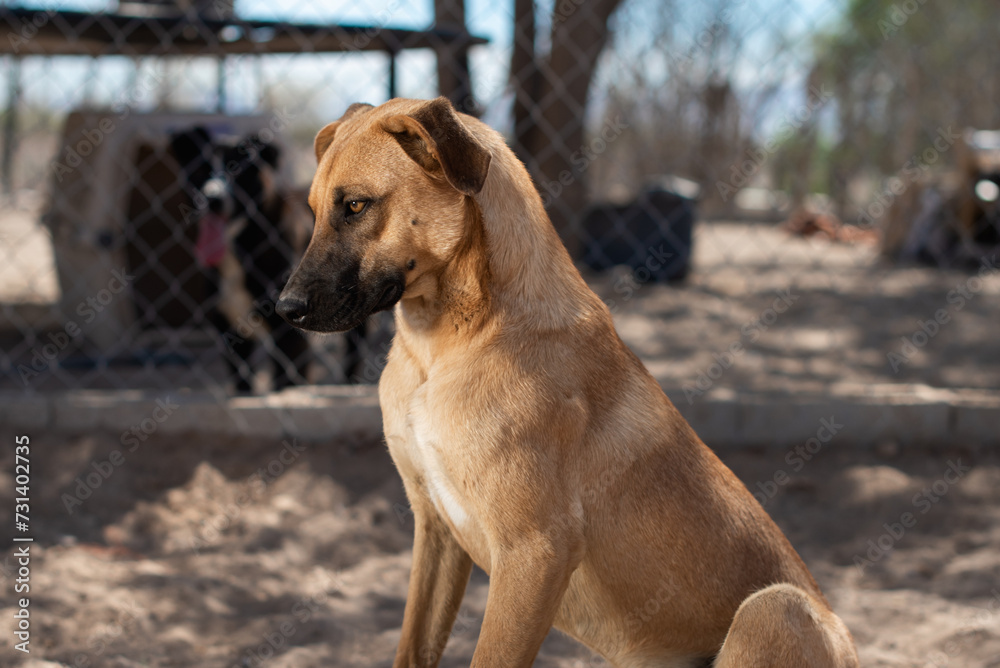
{"points": [[218, 553], [845, 312]]}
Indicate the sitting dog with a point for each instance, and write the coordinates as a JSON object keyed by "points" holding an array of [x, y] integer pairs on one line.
{"points": [[245, 245], [530, 439]]}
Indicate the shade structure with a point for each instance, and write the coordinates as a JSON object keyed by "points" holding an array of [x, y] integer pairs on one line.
{"points": [[45, 32]]}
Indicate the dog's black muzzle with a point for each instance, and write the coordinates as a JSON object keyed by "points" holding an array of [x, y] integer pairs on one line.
{"points": [[340, 303]]}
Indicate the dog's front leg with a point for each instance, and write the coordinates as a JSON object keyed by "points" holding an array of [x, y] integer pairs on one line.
{"points": [[438, 578], [527, 583]]}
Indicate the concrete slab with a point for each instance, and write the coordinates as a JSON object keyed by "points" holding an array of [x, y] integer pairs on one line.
{"points": [[26, 412], [856, 417]]}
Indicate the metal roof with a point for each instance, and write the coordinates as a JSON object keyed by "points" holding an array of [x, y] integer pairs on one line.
{"points": [[33, 32]]}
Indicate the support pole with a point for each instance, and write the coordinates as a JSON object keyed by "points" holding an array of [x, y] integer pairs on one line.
{"points": [[263, 95], [10, 123], [454, 81], [220, 80], [392, 74]]}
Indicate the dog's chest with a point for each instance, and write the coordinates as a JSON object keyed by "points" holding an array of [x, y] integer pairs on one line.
{"points": [[428, 456]]}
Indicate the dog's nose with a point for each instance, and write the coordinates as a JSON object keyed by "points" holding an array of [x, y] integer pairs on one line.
{"points": [[292, 309]]}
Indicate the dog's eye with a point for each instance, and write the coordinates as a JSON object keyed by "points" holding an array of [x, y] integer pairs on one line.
{"points": [[356, 206]]}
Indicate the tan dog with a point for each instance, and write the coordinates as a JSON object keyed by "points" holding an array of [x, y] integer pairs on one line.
{"points": [[531, 441]]}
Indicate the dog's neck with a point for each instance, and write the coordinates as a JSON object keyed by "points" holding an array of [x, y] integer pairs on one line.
{"points": [[510, 271], [532, 275]]}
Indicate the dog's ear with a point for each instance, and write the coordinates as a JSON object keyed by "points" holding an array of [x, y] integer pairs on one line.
{"points": [[434, 137], [325, 136], [193, 150]]}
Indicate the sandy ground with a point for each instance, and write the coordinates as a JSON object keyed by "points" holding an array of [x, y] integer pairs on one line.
{"points": [[809, 314], [185, 556]]}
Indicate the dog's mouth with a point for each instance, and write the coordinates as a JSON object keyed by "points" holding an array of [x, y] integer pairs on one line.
{"points": [[211, 245], [349, 306], [392, 292]]}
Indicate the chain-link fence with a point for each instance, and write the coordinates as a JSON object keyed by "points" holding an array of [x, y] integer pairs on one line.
{"points": [[790, 207], [156, 159]]}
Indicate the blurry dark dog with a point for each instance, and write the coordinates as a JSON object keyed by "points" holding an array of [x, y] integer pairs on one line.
{"points": [[246, 246]]}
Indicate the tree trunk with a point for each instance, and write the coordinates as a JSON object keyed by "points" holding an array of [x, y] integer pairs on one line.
{"points": [[524, 78], [453, 57], [551, 100]]}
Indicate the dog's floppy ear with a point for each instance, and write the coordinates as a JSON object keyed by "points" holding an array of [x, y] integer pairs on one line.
{"points": [[435, 139], [325, 136]]}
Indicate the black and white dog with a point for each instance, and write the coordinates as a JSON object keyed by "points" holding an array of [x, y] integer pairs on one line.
{"points": [[246, 247]]}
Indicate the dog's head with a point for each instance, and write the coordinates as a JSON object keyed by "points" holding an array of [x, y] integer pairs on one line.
{"points": [[251, 168], [234, 181], [391, 199]]}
